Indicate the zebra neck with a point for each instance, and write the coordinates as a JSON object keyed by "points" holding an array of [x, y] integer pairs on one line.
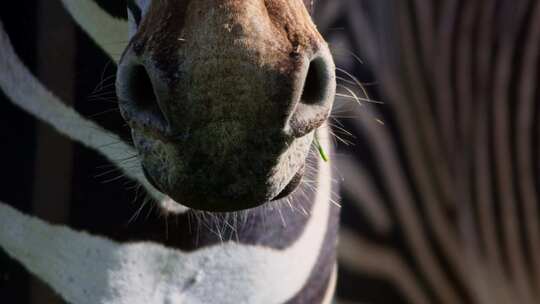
{"points": [[276, 224], [85, 268]]}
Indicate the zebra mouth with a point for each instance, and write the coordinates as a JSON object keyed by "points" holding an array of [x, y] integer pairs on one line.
{"points": [[292, 185]]}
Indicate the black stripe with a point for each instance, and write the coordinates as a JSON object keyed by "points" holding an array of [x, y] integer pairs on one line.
{"points": [[135, 11], [260, 226]]}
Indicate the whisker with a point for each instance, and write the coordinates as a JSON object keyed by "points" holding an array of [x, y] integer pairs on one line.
{"points": [[356, 98], [114, 179], [353, 78], [103, 113], [364, 84]]}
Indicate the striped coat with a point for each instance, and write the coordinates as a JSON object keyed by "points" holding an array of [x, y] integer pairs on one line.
{"points": [[282, 252], [439, 195]]}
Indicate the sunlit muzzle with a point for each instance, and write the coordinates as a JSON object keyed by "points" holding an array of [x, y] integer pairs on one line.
{"points": [[227, 124]]}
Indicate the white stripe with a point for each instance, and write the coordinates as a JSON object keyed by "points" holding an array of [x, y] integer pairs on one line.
{"points": [[90, 269], [331, 289], [23, 89], [109, 33]]}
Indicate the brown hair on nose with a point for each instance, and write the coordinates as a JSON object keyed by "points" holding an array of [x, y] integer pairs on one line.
{"points": [[217, 99]]}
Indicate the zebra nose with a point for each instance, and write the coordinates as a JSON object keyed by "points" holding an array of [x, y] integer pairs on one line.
{"points": [[141, 97], [318, 91]]}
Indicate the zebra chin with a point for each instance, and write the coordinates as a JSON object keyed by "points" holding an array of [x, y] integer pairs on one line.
{"points": [[207, 201], [251, 180]]}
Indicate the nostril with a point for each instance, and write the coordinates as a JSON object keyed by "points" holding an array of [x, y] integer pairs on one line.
{"points": [[138, 99], [317, 82], [140, 88], [316, 100]]}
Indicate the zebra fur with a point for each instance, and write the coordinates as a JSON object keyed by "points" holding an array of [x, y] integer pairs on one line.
{"points": [[75, 265]]}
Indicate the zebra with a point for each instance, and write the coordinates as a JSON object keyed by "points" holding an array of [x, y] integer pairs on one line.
{"points": [[280, 250], [438, 223]]}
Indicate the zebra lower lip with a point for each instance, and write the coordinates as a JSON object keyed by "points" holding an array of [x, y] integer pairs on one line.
{"points": [[292, 185]]}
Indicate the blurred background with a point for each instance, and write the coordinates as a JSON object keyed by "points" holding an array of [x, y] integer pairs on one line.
{"points": [[435, 125]]}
